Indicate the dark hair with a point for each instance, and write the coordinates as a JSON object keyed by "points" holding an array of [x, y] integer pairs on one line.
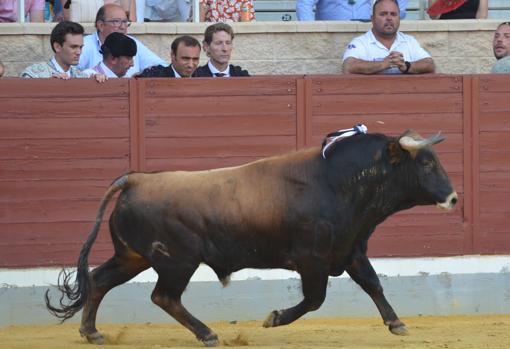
{"points": [[117, 45], [188, 41], [502, 24], [100, 15], [378, 1], [58, 34], [217, 27]]}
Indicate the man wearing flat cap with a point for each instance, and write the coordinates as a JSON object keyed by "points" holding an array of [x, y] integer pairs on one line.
{"points": [[118, 52]]}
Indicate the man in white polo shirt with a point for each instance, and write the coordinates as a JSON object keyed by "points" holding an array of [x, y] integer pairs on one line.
{"points": [[385, 50], [112, 18]]}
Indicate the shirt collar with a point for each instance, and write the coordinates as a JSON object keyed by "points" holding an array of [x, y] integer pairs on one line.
{"points": [[107, 71], [58, 67], [97, 41], [374, 40], [177, 75], [213, 69]]}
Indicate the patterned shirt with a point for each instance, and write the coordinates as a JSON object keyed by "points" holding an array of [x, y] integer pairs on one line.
{"points": [[226, 10], [50, 68]]}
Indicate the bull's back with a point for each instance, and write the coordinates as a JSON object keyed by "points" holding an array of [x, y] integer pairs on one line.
{"points": [[252, 198]]}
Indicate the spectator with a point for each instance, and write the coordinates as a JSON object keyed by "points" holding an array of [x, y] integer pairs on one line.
{"points": [[218, 43], [185, 55], [61, 10], [469, 9], [331, 10], [384, 49], [66, 41], [2, 69], [501, 47], [167, 11], [226, 11], [34, 10], [129, 6], [112, 18], [118, 52]]}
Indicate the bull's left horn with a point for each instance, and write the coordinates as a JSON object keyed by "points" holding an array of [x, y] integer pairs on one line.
{"points": [[410, 144]]}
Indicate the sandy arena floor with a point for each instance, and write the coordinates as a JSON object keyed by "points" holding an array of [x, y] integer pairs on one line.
{"points": [[460, 332]]}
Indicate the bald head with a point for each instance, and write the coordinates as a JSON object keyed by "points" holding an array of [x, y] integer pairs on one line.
{"points": [[111, 18]]}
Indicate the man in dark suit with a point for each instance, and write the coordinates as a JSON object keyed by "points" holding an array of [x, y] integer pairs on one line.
{"points": [[185, 56], [218, 44]]}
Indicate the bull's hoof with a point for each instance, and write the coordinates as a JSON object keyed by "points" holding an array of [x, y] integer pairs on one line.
{"points": [[273, 319], [399, 330], [93, 338], [211, 340]]}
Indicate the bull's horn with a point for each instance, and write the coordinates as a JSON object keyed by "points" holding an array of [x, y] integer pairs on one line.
{"points": [[410, 144]]}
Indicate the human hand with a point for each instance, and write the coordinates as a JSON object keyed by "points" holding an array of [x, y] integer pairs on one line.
{"points": [[396, 59], [100, 77], [62, 76]]}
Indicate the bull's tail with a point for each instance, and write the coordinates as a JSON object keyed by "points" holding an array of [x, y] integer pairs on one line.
{"points": [[78, 292]]}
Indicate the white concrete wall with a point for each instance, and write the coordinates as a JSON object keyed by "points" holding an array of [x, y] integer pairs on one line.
{"points": [[414, 286]]}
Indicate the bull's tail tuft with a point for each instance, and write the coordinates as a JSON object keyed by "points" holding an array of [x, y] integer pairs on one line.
{"points": [[74, 296]]}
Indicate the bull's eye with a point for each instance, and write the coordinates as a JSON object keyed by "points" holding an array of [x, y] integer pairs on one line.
{"points": [[428, 166]]}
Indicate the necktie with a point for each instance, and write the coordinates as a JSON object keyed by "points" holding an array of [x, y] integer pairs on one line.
{"points": [[219, 75]]}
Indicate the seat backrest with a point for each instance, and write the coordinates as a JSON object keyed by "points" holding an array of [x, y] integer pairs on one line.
{"points": [[84, 11]]}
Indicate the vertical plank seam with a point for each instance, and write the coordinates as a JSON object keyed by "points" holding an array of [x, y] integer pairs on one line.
{"points": [[467, 169], [308, 110], [300, 112], [133, 126], [475, 115], [142, 98]]}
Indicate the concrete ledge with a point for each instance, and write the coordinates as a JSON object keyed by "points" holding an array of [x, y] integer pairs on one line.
{"points": [[467, 25]]}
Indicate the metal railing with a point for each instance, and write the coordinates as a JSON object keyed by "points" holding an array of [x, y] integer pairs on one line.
{"points": [[417, 8]]}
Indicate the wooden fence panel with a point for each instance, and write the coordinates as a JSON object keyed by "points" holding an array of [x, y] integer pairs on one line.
{"points": [[62, 143], [494, 154], [205, 123], [392, 104]]}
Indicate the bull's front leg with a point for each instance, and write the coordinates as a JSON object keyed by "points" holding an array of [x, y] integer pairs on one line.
{"points": [[362, 272], [314, 280]]}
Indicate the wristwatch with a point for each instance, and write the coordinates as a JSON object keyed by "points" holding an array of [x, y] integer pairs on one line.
{"points": [[408, 66]]}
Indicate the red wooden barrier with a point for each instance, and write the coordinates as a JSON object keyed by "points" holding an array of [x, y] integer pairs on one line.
{"points": [[62, 142]]}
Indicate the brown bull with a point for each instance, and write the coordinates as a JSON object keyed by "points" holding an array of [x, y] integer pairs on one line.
{"points": [[298, 211]]}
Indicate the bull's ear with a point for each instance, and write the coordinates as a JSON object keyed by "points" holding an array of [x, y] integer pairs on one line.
{"points": [[395, 152]]}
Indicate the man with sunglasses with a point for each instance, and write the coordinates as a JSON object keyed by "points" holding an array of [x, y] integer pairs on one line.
{"points": [[112, 18]]}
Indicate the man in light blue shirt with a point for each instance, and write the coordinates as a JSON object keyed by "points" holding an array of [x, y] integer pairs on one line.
{"points": [[334, 10], [112, 18]]}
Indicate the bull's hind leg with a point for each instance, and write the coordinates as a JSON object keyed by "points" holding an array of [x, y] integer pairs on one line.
{"points": [[173, 277], [116, 271], [314, 280], [362, 272]]}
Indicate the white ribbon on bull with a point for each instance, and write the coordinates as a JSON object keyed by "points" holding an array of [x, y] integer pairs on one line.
{"points": [[333, 137]]}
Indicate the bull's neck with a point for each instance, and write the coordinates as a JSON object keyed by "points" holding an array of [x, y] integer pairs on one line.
{"points": [[374, 193]]}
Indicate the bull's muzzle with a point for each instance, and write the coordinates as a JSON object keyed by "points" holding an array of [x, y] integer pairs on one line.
{"points": [[449, 203]]}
